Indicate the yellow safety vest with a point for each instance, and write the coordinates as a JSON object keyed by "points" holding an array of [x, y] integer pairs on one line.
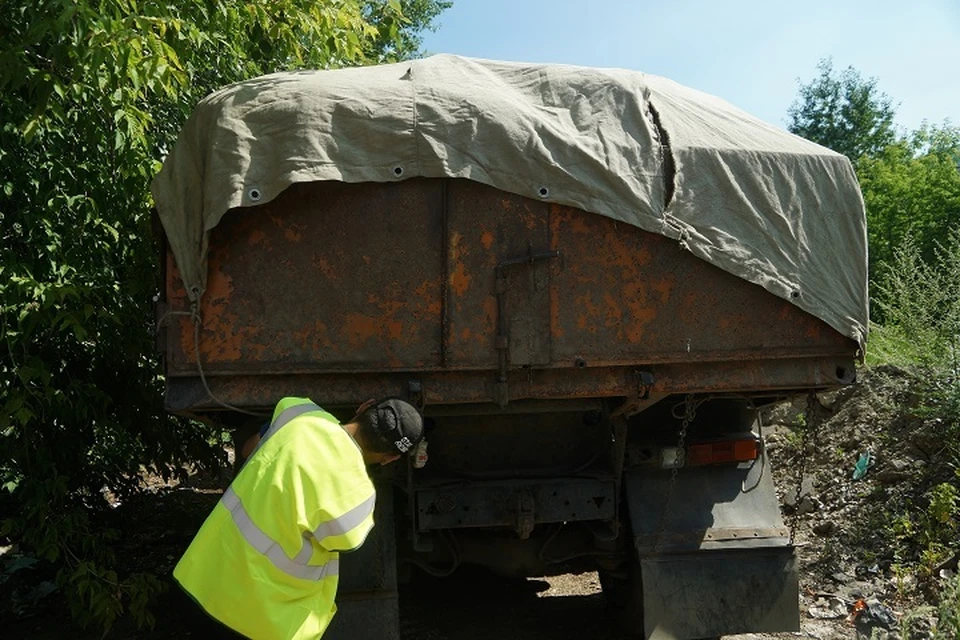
{"points": [[265, 563]]}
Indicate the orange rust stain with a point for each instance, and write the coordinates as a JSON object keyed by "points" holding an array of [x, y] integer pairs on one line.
{"points": [[663, 288], [590, 313], [813, 332], [313, 338], [393, 329], [613, 315], [573, 222], [465, 334], [324, 267], [220, 337], [641, 311], [429, 300], [556, 329], [489, 308], [292, 235], [641, 317], [486, 239], [257, 236], [360, 328], [530, 220], [460, 279], [642, 255], [458, 248]]}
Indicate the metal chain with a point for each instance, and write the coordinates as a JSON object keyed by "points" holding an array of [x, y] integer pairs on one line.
{"points": [[810, 429], [689, 413]]}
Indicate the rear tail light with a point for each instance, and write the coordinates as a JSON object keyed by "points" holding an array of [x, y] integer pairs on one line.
{"points": [[742, 450]]}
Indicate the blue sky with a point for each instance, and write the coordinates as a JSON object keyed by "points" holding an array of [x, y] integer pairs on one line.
{"points": [[749, 52]]}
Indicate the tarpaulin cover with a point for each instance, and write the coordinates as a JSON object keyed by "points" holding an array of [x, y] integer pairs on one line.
{"points": [[744, 195]]}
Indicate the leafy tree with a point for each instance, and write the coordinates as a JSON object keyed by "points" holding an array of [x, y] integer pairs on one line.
{"points": [[912, 190], [843, 112], [92, 94], [391, 39]]}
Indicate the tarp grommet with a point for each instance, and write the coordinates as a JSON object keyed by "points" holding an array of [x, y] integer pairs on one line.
{"points": [[398, 171], [543, 192], [254, 194]]}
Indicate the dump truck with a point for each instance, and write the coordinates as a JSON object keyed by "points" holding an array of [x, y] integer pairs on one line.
{"points": [[589, 281]]}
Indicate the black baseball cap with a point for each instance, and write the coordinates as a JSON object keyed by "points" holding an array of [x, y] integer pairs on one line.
{"points": [[398, 423]]}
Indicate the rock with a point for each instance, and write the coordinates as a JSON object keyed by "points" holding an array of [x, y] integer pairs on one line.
{"points": [[899, 465], [828, 611], [891, 476], [806, 492], [807, 505], [825, 528], [841, 578], [820, 630]]}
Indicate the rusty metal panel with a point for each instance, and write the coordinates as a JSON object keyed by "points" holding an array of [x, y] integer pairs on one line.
{"points": [[366, 287], [328, 276], [487, 228], [621, 294]]}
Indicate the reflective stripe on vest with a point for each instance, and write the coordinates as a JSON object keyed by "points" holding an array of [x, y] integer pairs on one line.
{"points": [[287, 415], [347, 522], [297, 566]]}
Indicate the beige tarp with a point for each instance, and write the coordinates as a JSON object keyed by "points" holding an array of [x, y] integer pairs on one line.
{"points": [[750, 198]]}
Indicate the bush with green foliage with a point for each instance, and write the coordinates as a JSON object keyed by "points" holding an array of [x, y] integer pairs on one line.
{"points": [[948, 611], [919, 301], [92, 95], [912, 193]]}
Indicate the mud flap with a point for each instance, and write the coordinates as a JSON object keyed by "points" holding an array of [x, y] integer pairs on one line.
{"points": [[367, 602], [715, 558], [717, 593]]}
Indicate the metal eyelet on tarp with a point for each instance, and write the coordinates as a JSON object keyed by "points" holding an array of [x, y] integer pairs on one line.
{"points": [[543, 192], [398, 171], [255, 194]]}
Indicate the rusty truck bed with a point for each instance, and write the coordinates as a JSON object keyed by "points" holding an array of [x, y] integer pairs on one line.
{"points": [[459, 293]]}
